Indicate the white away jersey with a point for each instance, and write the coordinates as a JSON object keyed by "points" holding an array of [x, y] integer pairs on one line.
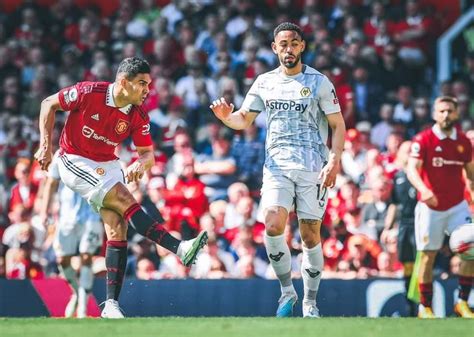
{"points": [[296, 107]]}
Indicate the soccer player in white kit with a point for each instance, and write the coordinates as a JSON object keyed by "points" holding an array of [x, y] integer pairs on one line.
{"points": [[300, 103], [79, 231]]}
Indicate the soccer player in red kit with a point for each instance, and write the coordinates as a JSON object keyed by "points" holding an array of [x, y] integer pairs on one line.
{"points": [[102, 115], [435, 168]]}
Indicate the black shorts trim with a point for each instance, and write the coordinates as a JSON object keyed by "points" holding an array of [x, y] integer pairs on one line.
{"points": [[79, 172]]}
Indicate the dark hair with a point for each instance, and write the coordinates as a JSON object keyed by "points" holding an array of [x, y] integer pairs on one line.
{"points": [[132, 66], [288, 26]]}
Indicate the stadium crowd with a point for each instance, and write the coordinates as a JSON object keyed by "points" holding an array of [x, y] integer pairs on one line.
{"points": [[379, 54]]}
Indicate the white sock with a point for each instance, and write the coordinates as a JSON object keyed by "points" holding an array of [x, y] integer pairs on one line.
{"points": [[311, 271], [280, 258], [70, 276], [86, 278]]}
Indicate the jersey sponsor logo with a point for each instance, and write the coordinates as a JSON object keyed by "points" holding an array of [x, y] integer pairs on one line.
{"points": [[305, 92], [96, 117], [100, 171], [146, 129], [285, 105], [90, 133], [121, 126], [276, 257], [440, 162]]}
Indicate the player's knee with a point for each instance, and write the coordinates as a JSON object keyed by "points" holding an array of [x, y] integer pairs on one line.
{"points": [[64, 261], [86, 259], [309, 239], [274, 221]]}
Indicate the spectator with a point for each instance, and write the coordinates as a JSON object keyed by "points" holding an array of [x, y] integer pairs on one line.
{"points": [[217, 171]]}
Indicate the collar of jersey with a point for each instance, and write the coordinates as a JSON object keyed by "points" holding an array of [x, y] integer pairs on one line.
{"points": [[109, 100], [293, 76], [441, 135]]}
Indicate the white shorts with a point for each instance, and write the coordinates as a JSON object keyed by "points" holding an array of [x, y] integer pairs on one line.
{"points": [[301, 188], [431, 226], [79, 238], [91, 179]]}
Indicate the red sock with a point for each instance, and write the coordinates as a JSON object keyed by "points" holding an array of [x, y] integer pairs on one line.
{"points": [[465, 284], [426, 294]]}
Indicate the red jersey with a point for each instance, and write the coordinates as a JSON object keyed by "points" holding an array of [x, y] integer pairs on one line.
{"points": [[443, 162], [95, 126]]}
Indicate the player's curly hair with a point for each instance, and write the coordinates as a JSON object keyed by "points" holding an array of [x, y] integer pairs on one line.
{"points": [[288, 26], [132, 66]]}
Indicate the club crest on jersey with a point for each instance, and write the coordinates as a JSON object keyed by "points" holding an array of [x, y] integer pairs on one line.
{"points": [[305, 92], [100, 171], [460, 148], [121, 126]]}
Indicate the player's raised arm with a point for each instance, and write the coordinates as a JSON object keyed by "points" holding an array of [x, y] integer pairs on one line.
{"points": [[237, 120], [49, 106]]}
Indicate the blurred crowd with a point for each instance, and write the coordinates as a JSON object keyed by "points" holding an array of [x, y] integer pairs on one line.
{"points": [[379, 54]]}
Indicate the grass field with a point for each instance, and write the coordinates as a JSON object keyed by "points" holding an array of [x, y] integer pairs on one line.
{"points": [[236, 327]]}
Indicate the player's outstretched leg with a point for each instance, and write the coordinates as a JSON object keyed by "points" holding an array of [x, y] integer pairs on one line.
{"points": [[280, 259], [116, 262], [151, 229], [311, 271]]}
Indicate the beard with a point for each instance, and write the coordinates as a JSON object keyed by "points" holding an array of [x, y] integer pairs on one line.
{"points": [[290, 64], [447, 125]]}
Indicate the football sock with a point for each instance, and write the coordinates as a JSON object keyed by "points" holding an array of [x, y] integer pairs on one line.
{"points": [[150, 229], [70, 276], [465, 284], [426, 294], [86, 278], [116, 262], [311, 270], [280, 258]]}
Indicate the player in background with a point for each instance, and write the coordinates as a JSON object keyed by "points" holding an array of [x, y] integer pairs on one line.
{"points": [[102, 115], [401, 212], [79, 230], [300, 102], [435, 168]]}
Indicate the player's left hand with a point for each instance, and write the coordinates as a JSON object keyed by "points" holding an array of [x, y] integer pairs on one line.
{"points": [[134, 172], [329, 173]]}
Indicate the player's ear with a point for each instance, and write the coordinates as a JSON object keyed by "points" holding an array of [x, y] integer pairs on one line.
{"points": [[274, 48]]}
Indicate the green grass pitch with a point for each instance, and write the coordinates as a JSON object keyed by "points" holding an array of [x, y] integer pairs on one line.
{"points": [[236, 327]]}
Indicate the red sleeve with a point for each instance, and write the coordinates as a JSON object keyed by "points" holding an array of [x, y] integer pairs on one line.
{"points": [[141, 130], [468, 157], [70, 97]]}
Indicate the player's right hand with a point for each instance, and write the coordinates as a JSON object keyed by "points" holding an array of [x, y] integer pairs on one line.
{"points": [[221, 108], [429, 198], [44, 156]]}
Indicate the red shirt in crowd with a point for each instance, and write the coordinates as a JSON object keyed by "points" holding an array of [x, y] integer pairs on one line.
{"points": [[95, 126], [443, 162]]}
